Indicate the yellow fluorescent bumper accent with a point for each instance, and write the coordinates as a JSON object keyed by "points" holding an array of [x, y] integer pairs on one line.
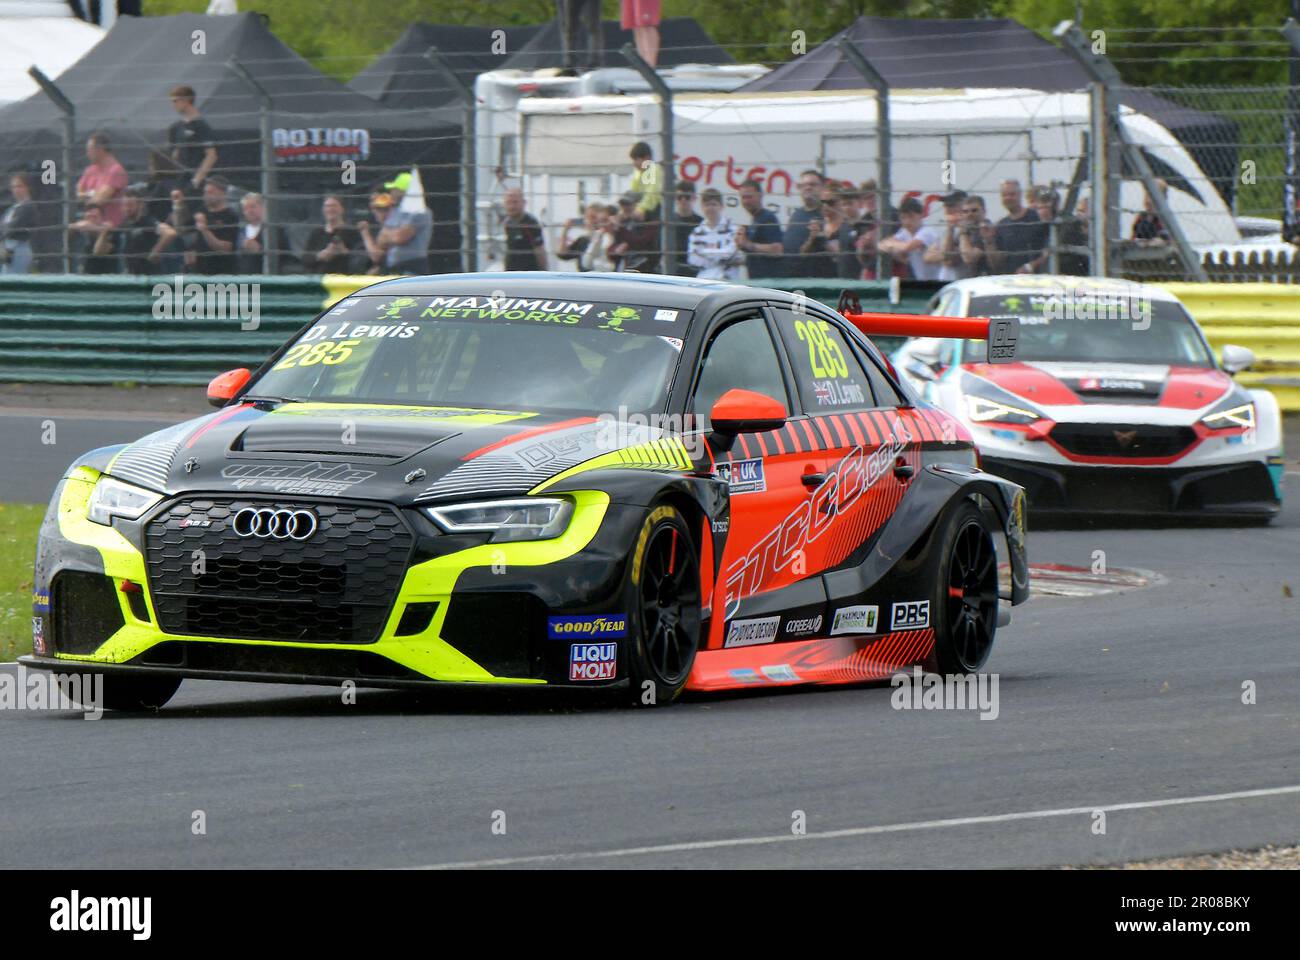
{"points": [[431, 581]]}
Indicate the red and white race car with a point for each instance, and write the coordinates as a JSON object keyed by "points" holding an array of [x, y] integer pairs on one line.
{"points": [[1115, 404]]}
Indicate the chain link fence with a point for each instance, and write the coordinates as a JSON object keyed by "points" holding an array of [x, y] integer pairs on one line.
{"points": [[810, 183]]}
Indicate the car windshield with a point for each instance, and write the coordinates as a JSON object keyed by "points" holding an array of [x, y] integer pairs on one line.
{"points": [[484, 352], [1096, 328]]}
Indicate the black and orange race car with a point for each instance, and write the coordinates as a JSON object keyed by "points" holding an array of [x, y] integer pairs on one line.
{"points": [[587, 481]]}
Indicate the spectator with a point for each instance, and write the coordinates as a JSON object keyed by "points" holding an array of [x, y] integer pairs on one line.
{"points": [[406, 233], [1019, 236], [525, 242], [95, 242], [332, 247], [596, 258], [211, 245], [851, 202], [380, 205], [173, 231], [912, 240], [256, 237], [1065, 235], [976, 236], [761, 241], [580, 35], [796, 231], [103, 180], [193, 143], [635, 241], [587, 226], [947, 252], [828, 251], [712, 250], [685, 220], [164, 177], [865, 229], [647, 180], [16, 226], [642, 18], [1148, 229], [138, 234]]}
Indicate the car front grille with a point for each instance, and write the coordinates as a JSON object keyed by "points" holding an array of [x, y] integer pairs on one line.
{"points": [[1130, 441], [335, 586]]}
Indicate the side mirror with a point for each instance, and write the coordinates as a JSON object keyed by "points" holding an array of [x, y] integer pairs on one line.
{"points": [[928, 351], [921, 370], [744, 411], [1237, 359], [224, 387], [923, 359]]}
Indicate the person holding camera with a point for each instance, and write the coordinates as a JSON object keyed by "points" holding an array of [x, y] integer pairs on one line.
{"points": [[16, 226], [946, 254], [596, 258], [331, 247], [829, 249], [579, 232], [976, 236]]}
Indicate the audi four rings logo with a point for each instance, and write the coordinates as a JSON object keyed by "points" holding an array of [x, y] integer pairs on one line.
{"points": [[275, 524]]}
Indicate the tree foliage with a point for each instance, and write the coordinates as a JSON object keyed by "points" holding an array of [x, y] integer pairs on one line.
{"points": [[1148, 39]]}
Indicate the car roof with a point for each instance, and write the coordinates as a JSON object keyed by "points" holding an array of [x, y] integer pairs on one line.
{"points": [[684, 293], [1057, 284]]}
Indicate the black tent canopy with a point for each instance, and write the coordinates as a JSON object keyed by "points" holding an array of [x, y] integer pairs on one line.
{"points": [[681, 40], [121, 87], [991, 53], [402, 77]]}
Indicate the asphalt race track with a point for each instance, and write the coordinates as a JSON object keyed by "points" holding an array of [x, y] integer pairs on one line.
{"points": [[1129, 703]]}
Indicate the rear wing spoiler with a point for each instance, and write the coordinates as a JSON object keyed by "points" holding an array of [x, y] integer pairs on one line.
{"points": [[1001, 333]]}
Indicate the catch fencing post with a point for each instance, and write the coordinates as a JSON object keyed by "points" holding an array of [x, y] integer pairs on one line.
{"points": [[69, 111], [468, 163], [884, 145], [1118, 144], [1291, 185], [270, 256], [668, 194]]}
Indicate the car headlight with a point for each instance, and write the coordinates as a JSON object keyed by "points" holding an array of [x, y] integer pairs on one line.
{"points": [[113, 498], [533, 518], [1242, 416], [980, 409]]}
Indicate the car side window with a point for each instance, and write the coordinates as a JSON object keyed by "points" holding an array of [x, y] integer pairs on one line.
{"points": [[742, 355], [886, 394], [945, 303], [826, 368]]}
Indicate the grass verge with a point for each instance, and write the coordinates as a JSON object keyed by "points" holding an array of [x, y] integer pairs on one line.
{"points": [[19, 525]]}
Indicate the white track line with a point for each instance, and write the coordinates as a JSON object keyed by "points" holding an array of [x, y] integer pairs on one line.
{"points": [[863, 831]]}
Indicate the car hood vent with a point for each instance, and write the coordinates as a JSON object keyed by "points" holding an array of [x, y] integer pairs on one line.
{"points": [[339, 436]]}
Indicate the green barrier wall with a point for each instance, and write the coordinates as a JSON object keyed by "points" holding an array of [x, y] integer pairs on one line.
{"points": [[115, 329], [1262, 316]]}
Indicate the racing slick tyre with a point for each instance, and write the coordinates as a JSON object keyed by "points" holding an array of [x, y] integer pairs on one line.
{"points": [[965, 604], [663, 608], [134, 694]]}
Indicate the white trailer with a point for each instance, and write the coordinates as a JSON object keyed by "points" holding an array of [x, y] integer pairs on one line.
{"points": [[500, 99], [574, 148]]}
